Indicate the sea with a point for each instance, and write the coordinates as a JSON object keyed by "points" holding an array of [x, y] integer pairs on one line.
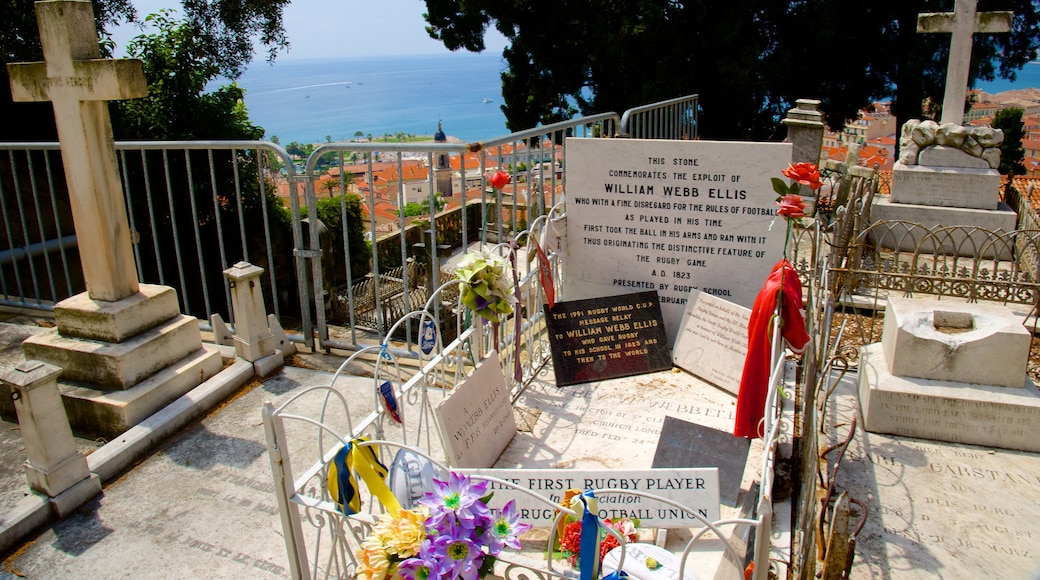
{"points": [[311, 101]]}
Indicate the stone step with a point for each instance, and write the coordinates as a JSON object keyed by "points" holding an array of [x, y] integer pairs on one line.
{"points": [[116, 366]]}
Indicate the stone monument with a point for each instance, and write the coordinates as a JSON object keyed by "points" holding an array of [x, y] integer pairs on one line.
{"points": [[946, 174], [124, 348], [953, 372]]}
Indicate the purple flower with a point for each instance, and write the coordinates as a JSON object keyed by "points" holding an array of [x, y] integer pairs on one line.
{"points": [[458, 497], [421, 567], [504, 529], [457, 554]]}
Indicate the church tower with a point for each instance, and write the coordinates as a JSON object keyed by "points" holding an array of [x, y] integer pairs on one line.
{"points": [[441, 166]]}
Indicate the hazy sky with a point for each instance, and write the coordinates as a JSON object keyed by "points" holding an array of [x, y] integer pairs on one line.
{"points": [[340, 28]]}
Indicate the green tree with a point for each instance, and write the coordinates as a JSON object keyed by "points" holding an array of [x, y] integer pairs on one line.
{"points": [[341, 213], [225, 33], [177, 106], [1012, 155], [748, 60]]}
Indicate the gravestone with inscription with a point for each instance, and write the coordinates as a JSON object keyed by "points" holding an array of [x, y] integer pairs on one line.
{"points": [[935, 508], [477, 418], [952, 372], [947, 174], [713, 341], [604, 338], [672, 216]]}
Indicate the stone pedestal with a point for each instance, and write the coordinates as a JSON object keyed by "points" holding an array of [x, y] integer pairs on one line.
{"points": [[254, 341], [123, 360], [805, 131], [54, 466], [963, 242], [951, 372], [947, 176]]}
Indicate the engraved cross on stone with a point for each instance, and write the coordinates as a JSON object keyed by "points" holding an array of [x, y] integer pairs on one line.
{"points": [[963, 22], [78, 83]]}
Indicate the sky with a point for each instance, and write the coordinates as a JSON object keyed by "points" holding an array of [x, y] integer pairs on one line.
{"points": [[339, 28]]}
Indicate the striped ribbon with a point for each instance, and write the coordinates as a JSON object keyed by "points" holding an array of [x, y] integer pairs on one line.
{"points": [[343, 486]]}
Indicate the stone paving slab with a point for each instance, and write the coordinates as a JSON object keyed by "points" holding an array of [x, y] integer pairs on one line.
{"points": [[202, 505], [937, 510]]}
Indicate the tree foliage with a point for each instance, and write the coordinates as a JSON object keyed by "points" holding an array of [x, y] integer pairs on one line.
{"points": [[748, 60], [1012, 154], [223, 31]]}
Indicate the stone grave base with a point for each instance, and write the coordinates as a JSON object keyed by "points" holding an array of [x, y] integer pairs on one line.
{"points": [[1002, 218], [945, 410], [957, 187]]}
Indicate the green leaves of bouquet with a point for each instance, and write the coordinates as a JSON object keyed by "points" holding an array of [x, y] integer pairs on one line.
{"points": [[486, 283]]}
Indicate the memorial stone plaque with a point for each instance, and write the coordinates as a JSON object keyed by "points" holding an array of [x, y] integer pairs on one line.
{"points": [[685, 444], [477, 418], [605, 338], [713, 340], [672, 216], [697, 489]]}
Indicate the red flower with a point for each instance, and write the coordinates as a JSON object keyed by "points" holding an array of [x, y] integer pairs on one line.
{"points": [[805, 174], [500, 179], [791, 206]]}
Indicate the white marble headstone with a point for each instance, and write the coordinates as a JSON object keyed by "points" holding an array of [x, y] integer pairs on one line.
{"points": [[672, 216], [477, 418]]}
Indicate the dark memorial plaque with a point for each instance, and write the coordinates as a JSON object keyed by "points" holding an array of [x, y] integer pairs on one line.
{"points": [[685, 444], [605, 338]]}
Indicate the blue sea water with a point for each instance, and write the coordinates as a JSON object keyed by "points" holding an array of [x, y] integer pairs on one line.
{"points": [[1028, 77], [309, 100]]}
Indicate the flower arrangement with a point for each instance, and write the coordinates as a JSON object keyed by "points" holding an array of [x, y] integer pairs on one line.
{"points": [[486, 283], [451, 535], [570, 542]]}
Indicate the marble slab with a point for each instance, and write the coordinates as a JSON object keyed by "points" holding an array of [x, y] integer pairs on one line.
{"points": [[935, 509], [964, 187], [713, 341], [672, 216], [945, 410]]}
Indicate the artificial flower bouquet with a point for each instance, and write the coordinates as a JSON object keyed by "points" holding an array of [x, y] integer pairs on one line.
{"points": [[452, 534], [486, 284], [570, 541]]}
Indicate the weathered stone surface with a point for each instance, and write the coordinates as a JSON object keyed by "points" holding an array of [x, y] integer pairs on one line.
{"points": [[972, 146], [988, 136], [992, 156], [950, 135], [959, 243], [80, 316], [907, 131], [122, 365], [908, 153], [946, 410], [110, 413], [945, 187], [936, 508], [924, 133], [949, 341], [944, 156]]}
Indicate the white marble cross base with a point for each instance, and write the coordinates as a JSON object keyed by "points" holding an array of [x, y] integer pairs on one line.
{"points": [[945, 410]]}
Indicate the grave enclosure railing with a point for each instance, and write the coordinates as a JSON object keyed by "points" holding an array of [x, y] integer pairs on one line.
{"points": [[860, 265]]}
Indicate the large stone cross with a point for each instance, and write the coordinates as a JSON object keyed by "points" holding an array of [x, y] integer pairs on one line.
{"points": [[963, 22], [78, 83]]}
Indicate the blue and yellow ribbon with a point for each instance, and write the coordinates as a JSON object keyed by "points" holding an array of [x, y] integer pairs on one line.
{"points": [[364, 461]]}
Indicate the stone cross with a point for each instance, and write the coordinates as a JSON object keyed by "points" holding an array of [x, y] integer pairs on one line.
{"points": [[963, 22], [78, 83]]}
